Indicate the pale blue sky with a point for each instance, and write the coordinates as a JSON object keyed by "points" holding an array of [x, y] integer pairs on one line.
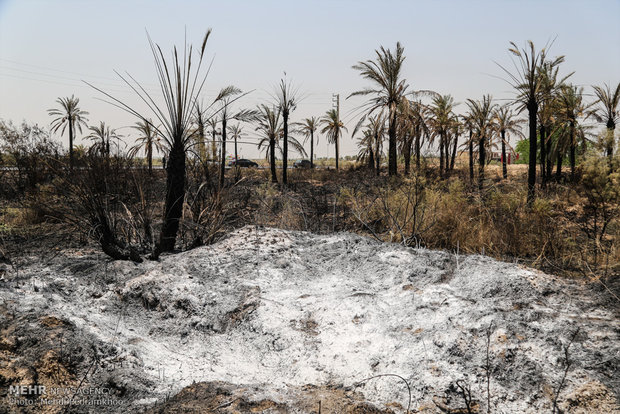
{"points": [[47, 47]]}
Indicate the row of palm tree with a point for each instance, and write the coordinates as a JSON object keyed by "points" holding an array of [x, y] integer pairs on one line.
{"points": [[556, 111]]}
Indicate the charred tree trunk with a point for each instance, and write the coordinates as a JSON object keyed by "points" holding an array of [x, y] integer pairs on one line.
{"points": [[558, 168], [71, 144], [504, 165], [371, 160], [471, 159], [149, 156], [223, 155], [441, 148], [417, 149], [549, 159], [543, 155], [407, 153], [532, 107], [272, 159], [452, 161], [377, 155], [392, 162], [481, 162], [285, 149], [611, 127], [337, 148], [311, 149], [175, 194], [572, 151]]}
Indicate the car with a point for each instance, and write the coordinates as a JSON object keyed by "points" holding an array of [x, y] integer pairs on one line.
{"points": [[302, 164], [242, 162]]}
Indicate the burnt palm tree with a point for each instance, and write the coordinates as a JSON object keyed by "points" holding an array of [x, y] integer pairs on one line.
{"points": [[147, 140], [270, 127], [387, 91], [607, 112], [468, 122], [102, 135], [181, 83], [69, 115], [441, 123], [226, 97], [571, 109], [286, 97], [505, 124], [307, 128], [551, 86], [366, 153], [236, 132], [528, 83], [481, 113], [332, 127]]}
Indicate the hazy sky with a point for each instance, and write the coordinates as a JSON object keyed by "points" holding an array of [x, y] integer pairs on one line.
{"points": [[48, 47]]}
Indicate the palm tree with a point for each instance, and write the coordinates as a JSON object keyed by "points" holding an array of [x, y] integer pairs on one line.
{"points": [[550, 88], [332, 125], [69, 114], [506, 123], [468, 123], [607, 112], [270, 127], [181, 83], [226, 97], [441, 123], [147, 140], [570, 109], [236, 132], [307, 128], [212, 123], [102, 135], [528, 83], [388, 90], [482, 119], [286, 97], [367, 149]]}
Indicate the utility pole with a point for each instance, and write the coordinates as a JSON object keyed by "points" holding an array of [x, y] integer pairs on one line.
{"points": [[336, 104]]}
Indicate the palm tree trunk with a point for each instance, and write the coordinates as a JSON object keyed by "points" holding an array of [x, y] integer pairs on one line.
{"points": [[471, 158], [149, 155], [377, 156], [272, 159], [213, 145], [558, 169], [543, 155], [336, 143], [311, 149], [417, 149], [504, 167], [611, 127], [571, 154], [549, 160], [236, 154], [70, 144], [285, 149], [392, 164], [456, 140], [371, 159], [441, 147], [481, 162], [223, 155], [175, 194], [407, 153], [532, 108]]}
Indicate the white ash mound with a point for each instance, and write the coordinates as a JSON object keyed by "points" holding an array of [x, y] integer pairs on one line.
{"points": [[275, 310]]}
